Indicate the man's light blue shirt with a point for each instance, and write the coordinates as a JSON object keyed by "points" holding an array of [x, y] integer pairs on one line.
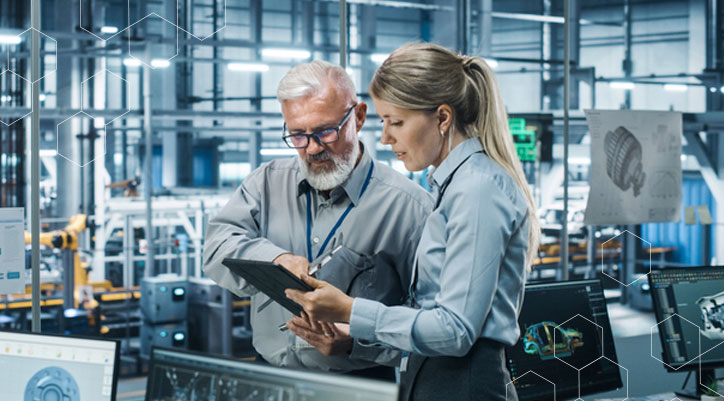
{"points": [[470, 262]]}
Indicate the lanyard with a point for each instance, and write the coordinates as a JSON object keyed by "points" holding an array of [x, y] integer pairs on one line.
{"points": [[339, 221], [443, 188]]}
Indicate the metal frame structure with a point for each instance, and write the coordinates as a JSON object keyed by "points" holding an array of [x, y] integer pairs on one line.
{"points": [[178, 120]]}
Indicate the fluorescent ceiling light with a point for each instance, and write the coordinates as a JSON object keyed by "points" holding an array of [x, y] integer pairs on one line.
{"points": [[721, 89], [579, 160], [675, 88], [42, 97], [379, 58], [10, 40], [622, 85], [286, 53], [131, 62], [248, 67], [109, 29], [160, 63], [48, 153], [712, 89], [493, 63], [278, 152]]}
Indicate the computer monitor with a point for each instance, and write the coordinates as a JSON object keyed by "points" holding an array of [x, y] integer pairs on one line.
{"points": [[183, 375], [689, 307], [565, 331], [55, 367]]}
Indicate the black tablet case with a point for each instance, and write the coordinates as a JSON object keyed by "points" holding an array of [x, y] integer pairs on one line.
{"points": [[271, 279]]}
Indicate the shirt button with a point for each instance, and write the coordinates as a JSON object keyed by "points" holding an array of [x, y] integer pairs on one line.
{"points": [[316, 240]]}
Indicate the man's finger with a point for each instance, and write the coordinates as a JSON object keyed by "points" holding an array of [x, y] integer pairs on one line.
{"points": [[313, 338], [295, 295], [300, 321]]}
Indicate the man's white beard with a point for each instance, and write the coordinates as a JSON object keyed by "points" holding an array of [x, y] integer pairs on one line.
{"points": [[327, 180]]}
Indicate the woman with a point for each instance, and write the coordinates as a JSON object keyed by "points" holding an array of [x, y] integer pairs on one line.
{"points": [[442, 109]]}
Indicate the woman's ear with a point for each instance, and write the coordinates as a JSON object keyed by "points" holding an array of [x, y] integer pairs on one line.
{"points": [[444, 117]]}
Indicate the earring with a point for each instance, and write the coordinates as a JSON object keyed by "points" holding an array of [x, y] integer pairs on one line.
{"points": [[442, 133]]}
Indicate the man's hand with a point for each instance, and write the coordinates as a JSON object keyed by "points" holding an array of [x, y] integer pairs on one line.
{"points": [[298, 265], [326, 337]]}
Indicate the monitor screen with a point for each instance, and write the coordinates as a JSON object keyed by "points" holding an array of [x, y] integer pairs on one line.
{"points": [[182, 375], [54, 367], [565, 331], [689, 306]]}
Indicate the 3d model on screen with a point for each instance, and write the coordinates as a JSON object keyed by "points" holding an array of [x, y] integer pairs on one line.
{"points": [[52, 384], [712, 313], [190, 386], [548, 340], [623, 160]]}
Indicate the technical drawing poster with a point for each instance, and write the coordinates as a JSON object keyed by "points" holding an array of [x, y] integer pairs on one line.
{"points": [[635, 167], [12, 251]]}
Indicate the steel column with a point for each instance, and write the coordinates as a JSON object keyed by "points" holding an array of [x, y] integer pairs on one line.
{"points": [[35, 164]]}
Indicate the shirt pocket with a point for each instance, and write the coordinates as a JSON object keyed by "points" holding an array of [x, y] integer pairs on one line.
{"points": [[350, 271]]}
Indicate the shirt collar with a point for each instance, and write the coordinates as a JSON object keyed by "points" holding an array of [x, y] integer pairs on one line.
{"points": [[352, 186], [456, 157]]}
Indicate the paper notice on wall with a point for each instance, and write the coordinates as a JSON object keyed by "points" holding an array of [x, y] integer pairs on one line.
{"points": [[635, 167], [12, 251]]}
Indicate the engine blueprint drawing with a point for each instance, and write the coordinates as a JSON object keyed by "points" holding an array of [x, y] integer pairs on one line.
{"points": [[52, 384], [623, 160], [635, 173], [712, 315]]}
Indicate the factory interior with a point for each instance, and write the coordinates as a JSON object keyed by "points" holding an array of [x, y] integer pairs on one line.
{"points": [[127, 126]]}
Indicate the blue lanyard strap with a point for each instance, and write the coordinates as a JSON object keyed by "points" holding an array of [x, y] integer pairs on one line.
{"points": [[339, 221]]}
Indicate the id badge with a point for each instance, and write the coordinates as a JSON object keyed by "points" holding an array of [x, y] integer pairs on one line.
{"points": [[403, 361]]}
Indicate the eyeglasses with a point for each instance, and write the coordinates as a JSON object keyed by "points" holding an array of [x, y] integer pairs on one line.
{"points": [[327, 135]]}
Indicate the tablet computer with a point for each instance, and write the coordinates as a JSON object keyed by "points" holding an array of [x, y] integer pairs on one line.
{"points": [[271, 279]]}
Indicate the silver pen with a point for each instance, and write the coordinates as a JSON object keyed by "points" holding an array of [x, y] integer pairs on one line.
{"points": [[314, 269]]}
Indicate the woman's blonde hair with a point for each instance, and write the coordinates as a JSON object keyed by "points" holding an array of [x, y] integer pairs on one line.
{"points": [[424, 76]]}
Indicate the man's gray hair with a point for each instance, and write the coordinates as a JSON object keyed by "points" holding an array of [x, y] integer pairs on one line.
{"points": [[310, 78]]}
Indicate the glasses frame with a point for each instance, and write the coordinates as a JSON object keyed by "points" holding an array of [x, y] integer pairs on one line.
{"points": [[316, 135]]}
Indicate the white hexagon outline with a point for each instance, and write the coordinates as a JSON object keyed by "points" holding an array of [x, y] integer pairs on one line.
{"points": [[57, 138], [700, 368], [689, 361], [129, 25], [523, 375], [613, 362], [47, 72], [128, 106], [602, 343], [130, 54], [211, 34], [30, 85], [602, 258]]}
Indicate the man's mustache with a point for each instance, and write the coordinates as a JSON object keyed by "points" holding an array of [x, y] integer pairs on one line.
{"points": [[322, 156]]}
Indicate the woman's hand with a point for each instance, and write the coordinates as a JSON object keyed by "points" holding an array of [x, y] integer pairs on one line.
{"points": [[326, 303]]}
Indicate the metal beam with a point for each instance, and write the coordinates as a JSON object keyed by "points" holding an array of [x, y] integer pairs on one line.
{"points": [[35, 165], [695, 146], [147, 181], [566, 107]]}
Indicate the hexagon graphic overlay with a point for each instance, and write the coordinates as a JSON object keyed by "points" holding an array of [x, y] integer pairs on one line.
{"points": [[602, 248]]}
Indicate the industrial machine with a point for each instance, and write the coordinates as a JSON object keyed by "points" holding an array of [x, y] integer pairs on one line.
{"points": [[164, 305]]}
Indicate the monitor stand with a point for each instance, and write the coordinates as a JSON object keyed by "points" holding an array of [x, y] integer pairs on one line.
{"points": [[702, 376]]}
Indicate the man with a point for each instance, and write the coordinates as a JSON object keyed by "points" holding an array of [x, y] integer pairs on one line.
{"points": [[332, 197]]}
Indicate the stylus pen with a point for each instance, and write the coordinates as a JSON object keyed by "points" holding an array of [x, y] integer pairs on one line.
{"points": [[324, 261], [283, 327]]}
